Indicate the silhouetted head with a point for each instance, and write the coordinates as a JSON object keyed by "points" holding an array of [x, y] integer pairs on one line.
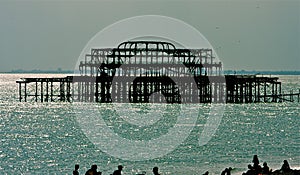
{"points": [[265, 164], [76, 167], [285, 162], [229, 168], [255, 159], [120, 167], [206, 173], [250, 167], [155, 170], [94, 167]]}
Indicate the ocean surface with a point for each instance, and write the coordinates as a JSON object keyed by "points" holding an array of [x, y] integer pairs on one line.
{"points": [[50, 138]]}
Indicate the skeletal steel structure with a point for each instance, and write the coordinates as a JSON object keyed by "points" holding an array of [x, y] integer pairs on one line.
{"points": [[153, 71]]}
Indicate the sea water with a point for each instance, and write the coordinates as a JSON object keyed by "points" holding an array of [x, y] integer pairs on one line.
{"points": [[49, 138]]}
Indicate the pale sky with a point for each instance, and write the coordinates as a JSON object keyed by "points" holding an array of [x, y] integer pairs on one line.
{"points": [[249, 35]]}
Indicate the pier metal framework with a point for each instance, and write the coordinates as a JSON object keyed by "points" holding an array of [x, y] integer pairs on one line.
{"points": [[152, 71]]}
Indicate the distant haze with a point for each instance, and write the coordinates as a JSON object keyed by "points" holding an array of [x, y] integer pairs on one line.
{"points": [[45, 35]]}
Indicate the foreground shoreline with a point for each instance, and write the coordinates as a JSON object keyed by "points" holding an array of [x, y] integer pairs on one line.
{"points": [[254, 169]]}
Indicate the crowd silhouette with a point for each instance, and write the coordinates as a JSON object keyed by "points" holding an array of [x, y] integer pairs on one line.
{"points": [[254, 169], [93, 171]]}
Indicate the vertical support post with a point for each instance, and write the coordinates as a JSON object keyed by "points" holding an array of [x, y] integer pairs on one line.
{"points": [[255, 84], [241, 92], [97, 91], [25, 92], [280, 93], [68, 92], [82, 91], [86, 91], [51, 90], [273, 92], [60, 89], [250, 92], [265, 92], [200, 89], [258, 91], [78, 90], [92, 91], [36, 89], [42, 95], [216, 92], [73, 90], [20, 92], [299, 96], [47, 91], [276, 92], [210, 92]]}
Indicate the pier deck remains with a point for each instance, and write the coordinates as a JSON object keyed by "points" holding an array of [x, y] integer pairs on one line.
{"points": [[151, 71]]}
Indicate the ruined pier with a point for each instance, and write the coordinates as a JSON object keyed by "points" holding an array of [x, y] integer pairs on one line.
{"points": [[153, 72]]}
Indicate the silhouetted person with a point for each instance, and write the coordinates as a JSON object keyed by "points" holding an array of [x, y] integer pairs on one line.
{"points": [[93, 171], [206, 173], [229, 171], [118, 172], [256, 166], [265, 169], [255, 161], [250, 170], [75, 172], [224, 172], [285, 166], [155, 171]]}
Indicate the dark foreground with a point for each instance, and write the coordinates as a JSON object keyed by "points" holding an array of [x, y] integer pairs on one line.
{"points": [[254, 169]]}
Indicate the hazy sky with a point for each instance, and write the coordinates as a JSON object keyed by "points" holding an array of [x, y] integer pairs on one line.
{"points": [[250, 35]]}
